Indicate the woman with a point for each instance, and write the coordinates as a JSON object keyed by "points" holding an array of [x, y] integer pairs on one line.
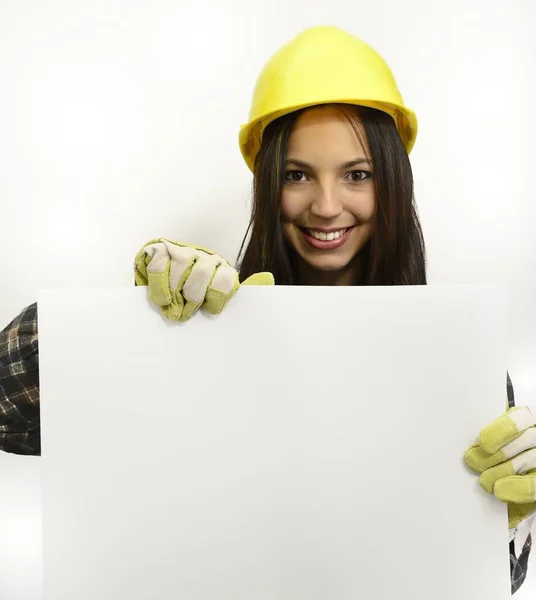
{"points": [[328, 143]]}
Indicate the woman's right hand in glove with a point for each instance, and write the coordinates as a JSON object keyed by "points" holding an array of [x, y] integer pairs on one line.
{"points": [[183, 278]]}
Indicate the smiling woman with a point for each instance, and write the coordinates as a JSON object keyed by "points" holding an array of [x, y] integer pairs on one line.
{"points": [[335, 183], [328, 140]]}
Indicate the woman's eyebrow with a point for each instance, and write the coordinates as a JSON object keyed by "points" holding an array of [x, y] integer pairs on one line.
{"points": [[348, 165], [357, 161]]}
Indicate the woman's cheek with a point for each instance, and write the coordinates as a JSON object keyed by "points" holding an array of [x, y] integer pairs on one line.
{"points": [[367, 207], [370, 212], [290, 206]]}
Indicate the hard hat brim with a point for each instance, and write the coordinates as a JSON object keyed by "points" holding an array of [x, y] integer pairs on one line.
{"points": [[250, 134]]}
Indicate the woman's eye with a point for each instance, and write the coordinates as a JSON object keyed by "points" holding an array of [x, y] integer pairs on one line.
{"points": [[295, 176], [357, 176]]}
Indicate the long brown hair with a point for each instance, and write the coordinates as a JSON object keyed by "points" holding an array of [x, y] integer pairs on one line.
{"points": [[395, 254]]}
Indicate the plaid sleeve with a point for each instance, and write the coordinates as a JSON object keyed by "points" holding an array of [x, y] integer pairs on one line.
{"points": [[19, 385], [518, 564]]}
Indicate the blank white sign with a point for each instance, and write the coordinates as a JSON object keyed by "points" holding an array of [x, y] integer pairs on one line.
{"points": [[304, 445]]}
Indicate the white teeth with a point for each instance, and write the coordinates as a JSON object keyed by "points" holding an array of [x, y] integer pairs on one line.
{"points": [[326, 237]]}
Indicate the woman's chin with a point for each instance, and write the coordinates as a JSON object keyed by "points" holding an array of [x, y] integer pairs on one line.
{"points": [[328, 267], [331, 264], [316, 261]]}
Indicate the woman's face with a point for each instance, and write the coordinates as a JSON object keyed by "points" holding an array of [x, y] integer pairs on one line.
{"points": [[329, 199]]}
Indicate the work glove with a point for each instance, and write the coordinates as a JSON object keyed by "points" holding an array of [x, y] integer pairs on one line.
{"points": [[505, 458], [183, 278]]}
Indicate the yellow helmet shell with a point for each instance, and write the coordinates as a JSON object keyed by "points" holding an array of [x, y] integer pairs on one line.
{"points": [[323, 65]]}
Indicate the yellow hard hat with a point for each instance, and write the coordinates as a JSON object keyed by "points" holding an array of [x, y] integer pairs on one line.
{"points": [[323, 65]]}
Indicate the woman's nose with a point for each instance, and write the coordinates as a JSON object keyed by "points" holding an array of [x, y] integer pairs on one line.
{"points": [[326, 204]]}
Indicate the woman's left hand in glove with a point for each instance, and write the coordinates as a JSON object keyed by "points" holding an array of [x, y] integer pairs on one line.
{"points": [[505, 459]]}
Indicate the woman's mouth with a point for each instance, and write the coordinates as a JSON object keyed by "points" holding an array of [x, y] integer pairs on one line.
{"points": [[326, 239]]}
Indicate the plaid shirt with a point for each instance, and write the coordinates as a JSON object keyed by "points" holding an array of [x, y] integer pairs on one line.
{"points": [[19, 406], [19, 385]]}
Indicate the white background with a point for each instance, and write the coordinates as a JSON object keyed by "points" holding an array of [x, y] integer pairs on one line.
{"points": [[119, 121]]}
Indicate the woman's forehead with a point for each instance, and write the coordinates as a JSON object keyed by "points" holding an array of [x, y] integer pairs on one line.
{"points": [[328, 132]]}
